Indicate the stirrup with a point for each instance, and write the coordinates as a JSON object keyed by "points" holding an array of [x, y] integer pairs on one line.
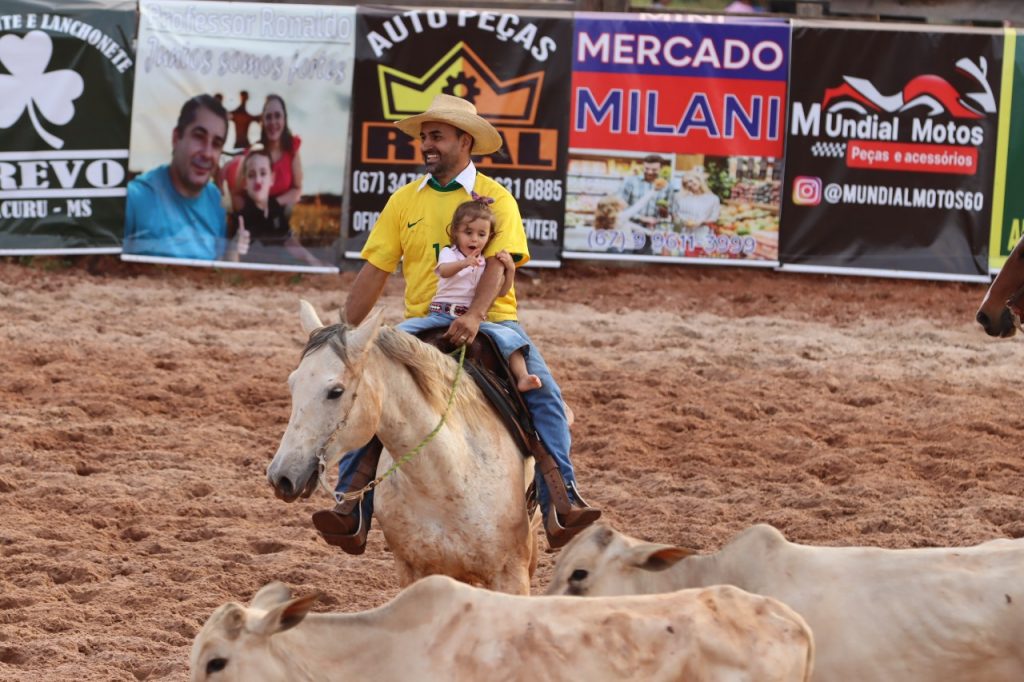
{"points": [[351, 543], [576, 493], [559, 535]]}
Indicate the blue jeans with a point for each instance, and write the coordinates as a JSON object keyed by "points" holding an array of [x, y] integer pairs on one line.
{"points": [[545, 404]]}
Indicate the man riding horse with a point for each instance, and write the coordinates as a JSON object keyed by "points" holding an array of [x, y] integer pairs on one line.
{"points": [[410, 230]]}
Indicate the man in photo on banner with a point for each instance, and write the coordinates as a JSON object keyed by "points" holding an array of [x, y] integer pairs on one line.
{"points": [[412, 224], [173, 210], [647, 196]]}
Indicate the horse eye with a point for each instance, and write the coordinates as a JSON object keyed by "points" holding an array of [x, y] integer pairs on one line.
{"points": [[335, 393], [215, 665], [579, 575]]}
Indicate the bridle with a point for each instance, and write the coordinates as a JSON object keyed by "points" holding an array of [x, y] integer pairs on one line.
{"points": [[1014, 305], [321, 453]]}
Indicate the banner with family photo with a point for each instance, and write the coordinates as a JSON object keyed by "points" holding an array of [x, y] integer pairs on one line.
{"points": [[891, 150], [239, 136], [676, 138], [513, 66], [66, 74]]}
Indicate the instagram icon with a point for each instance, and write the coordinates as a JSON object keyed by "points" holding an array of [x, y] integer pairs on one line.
{"points": [[806, 190]]}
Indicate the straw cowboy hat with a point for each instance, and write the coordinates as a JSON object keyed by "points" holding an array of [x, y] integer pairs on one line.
{"points": [[460, 113]]}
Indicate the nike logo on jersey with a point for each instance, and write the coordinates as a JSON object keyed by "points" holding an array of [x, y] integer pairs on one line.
{"points": [[411, 225]]}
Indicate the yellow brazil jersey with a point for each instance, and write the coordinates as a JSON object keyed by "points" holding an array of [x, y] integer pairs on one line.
{"points": [[413, 228]]}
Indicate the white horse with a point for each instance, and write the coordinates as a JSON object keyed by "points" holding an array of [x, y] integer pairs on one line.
{"points": [[457, 507]]}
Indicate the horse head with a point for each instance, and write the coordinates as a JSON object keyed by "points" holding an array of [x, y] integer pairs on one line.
{"points": [[334, 410], [1005, 296]]}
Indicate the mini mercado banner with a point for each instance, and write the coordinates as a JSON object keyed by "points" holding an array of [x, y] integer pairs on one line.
{"points": [[676, 138], [243, 53], [514, 67], [1008, 207], [891, 150], [65, 89]]}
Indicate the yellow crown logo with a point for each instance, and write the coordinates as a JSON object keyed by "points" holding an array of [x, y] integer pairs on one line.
{"points": [[462, 73]]}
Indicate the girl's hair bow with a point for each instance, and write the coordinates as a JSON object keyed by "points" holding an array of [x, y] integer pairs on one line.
{"points": [[481, 198]]}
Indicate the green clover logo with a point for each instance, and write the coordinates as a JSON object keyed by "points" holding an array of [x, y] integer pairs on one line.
{"points": [[30, 86]]}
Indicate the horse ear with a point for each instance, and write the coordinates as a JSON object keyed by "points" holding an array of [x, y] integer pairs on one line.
{"points": [[307, 314], [359, 340], [284, 616]]}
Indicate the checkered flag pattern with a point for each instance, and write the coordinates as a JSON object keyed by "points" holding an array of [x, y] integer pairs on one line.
{"points": [[832, 150]]}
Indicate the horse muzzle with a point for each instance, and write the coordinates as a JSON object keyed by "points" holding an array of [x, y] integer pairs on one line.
{"points": [[1003, 327], [288, 490]]}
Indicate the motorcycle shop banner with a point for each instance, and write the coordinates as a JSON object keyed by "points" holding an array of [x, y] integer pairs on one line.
{"points": [[1008, 207], [65, 92], [283, 74], [891, 149], [676, 138], [514, 67]]}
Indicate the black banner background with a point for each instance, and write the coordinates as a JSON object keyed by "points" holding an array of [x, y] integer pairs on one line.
{"points": [[406, 56], [831, 216]]}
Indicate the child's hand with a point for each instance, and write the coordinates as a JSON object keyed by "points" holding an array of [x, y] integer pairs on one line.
{"points": [[242, 239], [505, 258]]}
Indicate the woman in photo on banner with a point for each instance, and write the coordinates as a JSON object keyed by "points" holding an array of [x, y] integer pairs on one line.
{"points": [[283, 146]]}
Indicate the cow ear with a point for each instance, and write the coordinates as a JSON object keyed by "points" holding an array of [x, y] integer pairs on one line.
{"points": [[307, 315], [658, 557], [284, 616], [270, 595], [234, 621]]}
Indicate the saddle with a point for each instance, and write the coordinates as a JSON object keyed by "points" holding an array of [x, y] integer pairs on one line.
{"points": [[494, 377]]}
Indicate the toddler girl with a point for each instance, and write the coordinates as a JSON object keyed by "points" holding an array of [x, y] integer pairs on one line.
{"points": [[460, 266]]}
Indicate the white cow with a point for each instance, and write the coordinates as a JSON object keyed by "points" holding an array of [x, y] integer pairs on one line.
{"points": [[878, 615], [440, 630]]}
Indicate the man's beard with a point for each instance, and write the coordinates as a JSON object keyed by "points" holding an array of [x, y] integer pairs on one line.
{"points": [[439, 167]]}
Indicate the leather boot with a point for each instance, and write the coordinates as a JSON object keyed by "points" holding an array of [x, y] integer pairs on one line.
{"points": [[568, 514], [345, 526]]}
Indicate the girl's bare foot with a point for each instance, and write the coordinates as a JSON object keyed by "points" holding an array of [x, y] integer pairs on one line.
{"points": [[529, 382]]}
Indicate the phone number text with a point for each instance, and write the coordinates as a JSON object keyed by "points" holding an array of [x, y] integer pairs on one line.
{"points": [[533, 189], [712, 245], [379, 182]]}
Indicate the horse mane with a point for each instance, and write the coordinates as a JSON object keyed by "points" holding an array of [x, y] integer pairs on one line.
{"points": [[431, 370]]}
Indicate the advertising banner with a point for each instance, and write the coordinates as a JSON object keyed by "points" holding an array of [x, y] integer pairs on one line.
{"points": [[514, 67], [254, 178], [891, 150], [1008, 207], [676, 138], [66, 72]]}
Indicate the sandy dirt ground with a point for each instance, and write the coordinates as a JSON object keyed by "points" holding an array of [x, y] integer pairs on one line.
{"points": [[141, 406]]}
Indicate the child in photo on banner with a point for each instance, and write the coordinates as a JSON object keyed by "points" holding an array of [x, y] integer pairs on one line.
{"points": [[263, 218], [459, 268]]}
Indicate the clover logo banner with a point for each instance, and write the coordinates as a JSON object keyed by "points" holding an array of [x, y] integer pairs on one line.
{"points": [[65, 92]]}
